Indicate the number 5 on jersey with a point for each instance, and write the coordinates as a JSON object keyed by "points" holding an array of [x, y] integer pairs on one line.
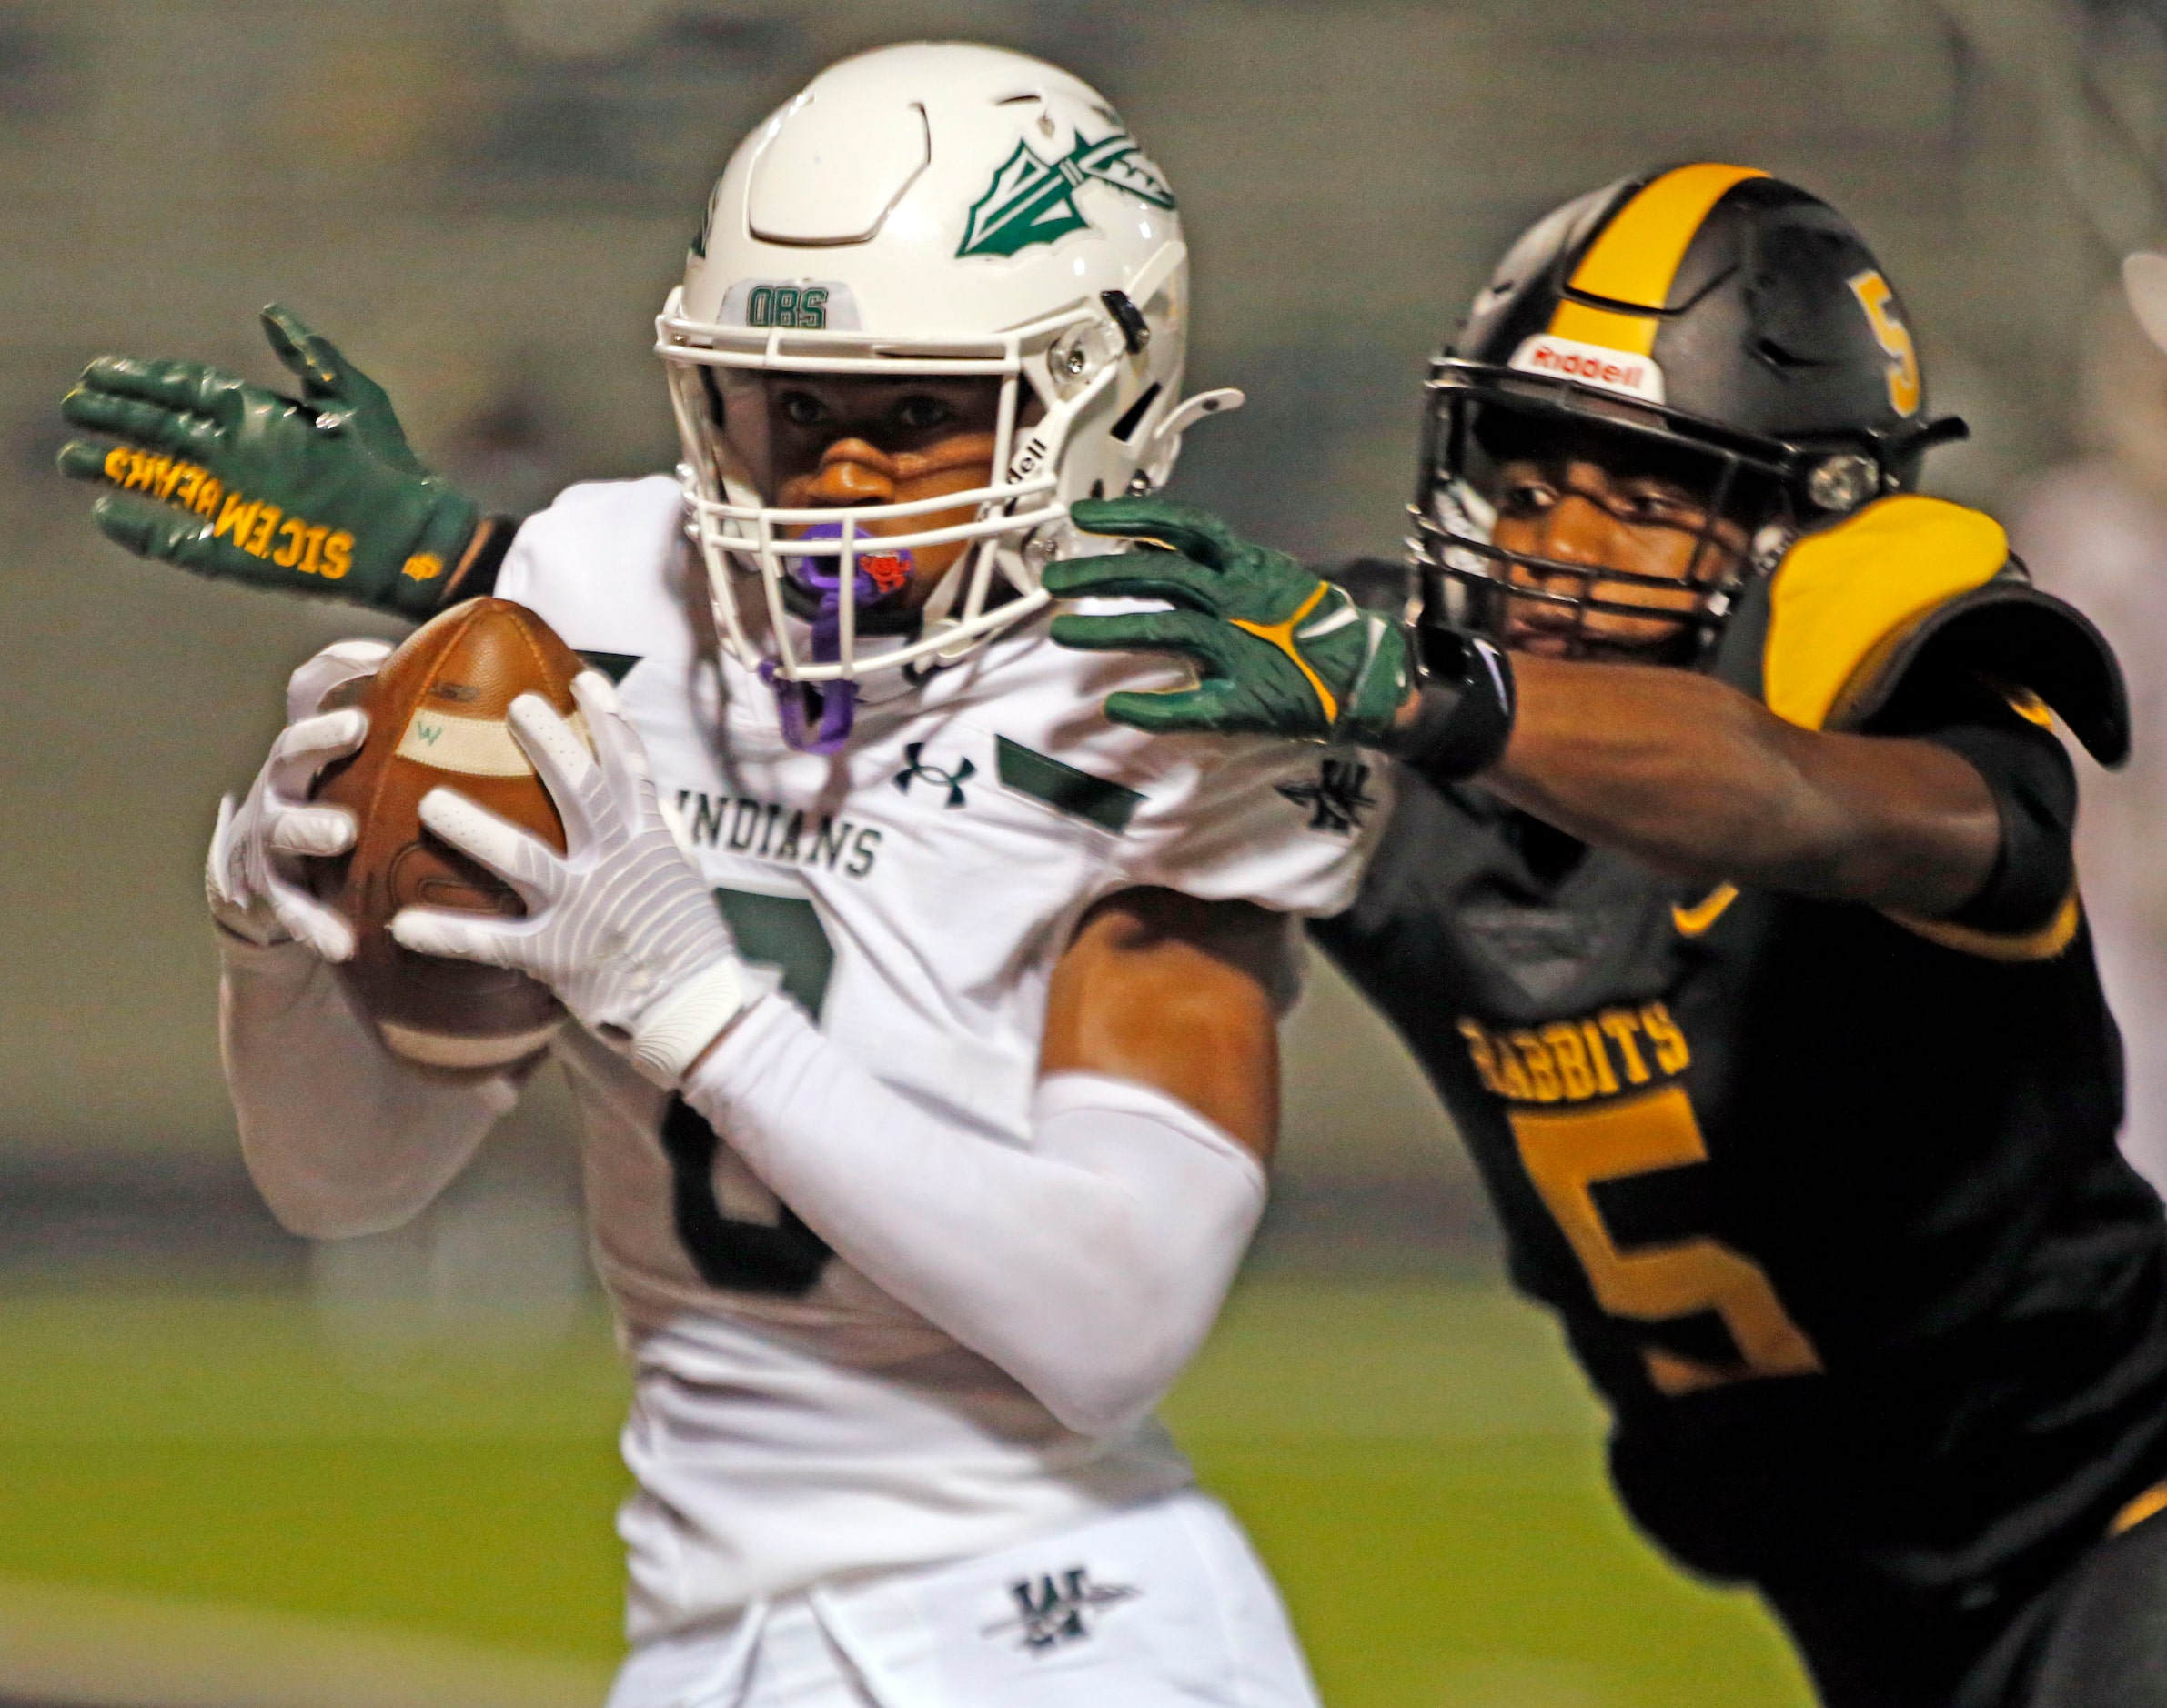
{"points": [[1569, 1152]]}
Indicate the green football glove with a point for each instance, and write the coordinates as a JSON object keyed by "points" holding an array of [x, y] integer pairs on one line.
{"points": [[1279, 651], [321, 496]]}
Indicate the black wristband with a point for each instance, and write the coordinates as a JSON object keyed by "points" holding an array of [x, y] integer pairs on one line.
{"points": [[1464, 716]]}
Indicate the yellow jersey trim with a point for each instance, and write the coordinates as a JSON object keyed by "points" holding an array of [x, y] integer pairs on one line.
{"points": [[1839, 598], [1693, 921], [2152, 1502], [1638, 255], [2029, 706], [2043, 944], [1282, 636]]}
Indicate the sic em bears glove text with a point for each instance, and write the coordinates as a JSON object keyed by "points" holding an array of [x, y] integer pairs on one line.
{"points": [[320, 495]]}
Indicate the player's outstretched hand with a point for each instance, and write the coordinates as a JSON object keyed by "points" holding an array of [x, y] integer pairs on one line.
{"points": [[319, 495], [249, 878], [620, 925], [1278, 650]]}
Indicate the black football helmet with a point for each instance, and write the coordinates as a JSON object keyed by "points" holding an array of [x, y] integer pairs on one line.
{"points": [[1706, 321]]}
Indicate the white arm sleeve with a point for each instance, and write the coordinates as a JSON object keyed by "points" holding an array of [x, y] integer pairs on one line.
{"points": [[1090, 1266], [341, 1137]]}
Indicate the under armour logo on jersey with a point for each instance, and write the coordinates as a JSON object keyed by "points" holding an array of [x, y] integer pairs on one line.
{"points": [[951, 780], [1058, 1608], [1337, 800]]}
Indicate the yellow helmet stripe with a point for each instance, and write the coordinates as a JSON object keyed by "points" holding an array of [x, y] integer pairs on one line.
{"points": [[1638, 255]]}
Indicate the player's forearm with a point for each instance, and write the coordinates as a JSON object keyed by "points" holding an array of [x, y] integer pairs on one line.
{"points": [[1697, 780], [340, 1139], [1090, 1267]]}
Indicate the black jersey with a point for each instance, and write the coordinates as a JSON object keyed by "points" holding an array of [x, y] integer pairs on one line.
{"points": [[1828, 1201]]}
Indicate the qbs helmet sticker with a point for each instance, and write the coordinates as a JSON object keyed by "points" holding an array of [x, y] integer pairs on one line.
{"points": [[803, 304]]}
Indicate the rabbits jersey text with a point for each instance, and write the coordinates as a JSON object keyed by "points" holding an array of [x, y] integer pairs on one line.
{"points": [[914, 892]]}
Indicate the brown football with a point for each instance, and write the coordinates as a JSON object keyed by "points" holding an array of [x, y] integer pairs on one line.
{"points": [[436, 717]]}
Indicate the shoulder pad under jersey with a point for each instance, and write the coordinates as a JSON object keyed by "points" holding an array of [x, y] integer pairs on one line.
{"points": [[1854, 610]]}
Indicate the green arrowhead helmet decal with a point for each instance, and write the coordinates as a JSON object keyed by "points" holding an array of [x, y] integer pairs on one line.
{"points": [[1033, 200]]}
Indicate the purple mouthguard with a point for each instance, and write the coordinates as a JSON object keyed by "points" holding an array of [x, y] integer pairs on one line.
{"points": [[817, 716]]}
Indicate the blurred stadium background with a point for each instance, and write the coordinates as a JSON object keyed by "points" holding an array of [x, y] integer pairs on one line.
{"points": [[234, 1472]]}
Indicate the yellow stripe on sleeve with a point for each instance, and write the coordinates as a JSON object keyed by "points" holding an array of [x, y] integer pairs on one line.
{"points": [[2042, 944]]}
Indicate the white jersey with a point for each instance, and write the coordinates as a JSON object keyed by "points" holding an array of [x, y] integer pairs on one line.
{"points": [[791, 1421]]}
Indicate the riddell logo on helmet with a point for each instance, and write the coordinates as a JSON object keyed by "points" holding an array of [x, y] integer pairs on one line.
{"points": [[1591, 364]]}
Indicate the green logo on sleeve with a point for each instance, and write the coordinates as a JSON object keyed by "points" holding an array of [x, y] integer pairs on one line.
{"points": [[1099, 799], [1033, 200]]}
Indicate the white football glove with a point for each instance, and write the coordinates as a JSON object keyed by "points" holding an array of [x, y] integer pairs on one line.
{"points": [[252, 891], [620, 926]]}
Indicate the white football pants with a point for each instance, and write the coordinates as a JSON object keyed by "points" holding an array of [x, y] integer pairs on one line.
{"points": [[1163, 1606]]}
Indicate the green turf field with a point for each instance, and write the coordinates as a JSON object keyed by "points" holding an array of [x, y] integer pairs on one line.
{"points": [[1417, 1460]]}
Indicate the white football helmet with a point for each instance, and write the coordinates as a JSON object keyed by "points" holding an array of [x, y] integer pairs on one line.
{"points": [[941, 210]]}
